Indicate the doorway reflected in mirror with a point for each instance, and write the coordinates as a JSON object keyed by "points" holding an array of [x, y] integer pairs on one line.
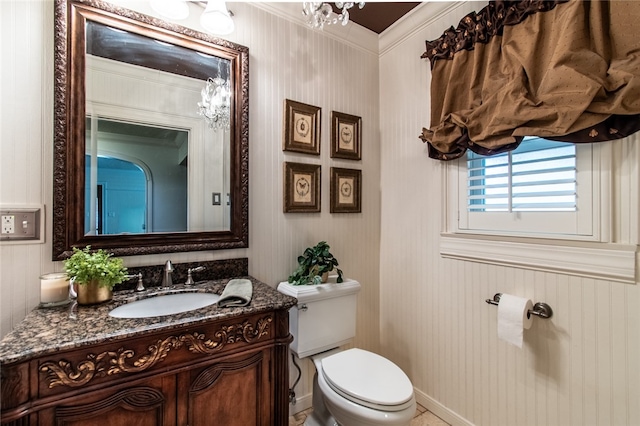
{"points": [[119, 200], [136, 176]]}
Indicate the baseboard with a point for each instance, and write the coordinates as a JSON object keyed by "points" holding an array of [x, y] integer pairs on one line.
{"points": [[451, 417], [302, 403]]}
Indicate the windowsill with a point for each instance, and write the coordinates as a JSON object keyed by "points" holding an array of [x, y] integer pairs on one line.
{"points": [[607, 261]]}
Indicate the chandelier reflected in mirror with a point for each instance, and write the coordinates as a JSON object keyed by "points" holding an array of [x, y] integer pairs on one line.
{"points": [[319, 14], [215, 103]]}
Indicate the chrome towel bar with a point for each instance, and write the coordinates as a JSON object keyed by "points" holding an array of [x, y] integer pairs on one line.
{"points": [[540, 309]]}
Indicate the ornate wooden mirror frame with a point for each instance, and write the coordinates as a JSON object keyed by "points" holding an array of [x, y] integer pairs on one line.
{"points": [[69, 133]]}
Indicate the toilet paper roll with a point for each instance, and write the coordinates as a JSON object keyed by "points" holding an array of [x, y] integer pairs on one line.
{"points": [[513, 318]]}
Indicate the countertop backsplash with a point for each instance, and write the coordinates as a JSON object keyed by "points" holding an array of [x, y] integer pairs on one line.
{"points": [[214, 270]]}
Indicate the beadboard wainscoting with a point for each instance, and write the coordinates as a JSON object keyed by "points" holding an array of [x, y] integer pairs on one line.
{"points": [[581, 367]]}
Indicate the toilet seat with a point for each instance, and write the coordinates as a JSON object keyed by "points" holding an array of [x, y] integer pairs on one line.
{"points": [[368, 379]]}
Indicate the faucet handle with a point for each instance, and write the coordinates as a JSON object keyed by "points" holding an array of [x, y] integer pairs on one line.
{"points": [[140, 286], [73, 294], [189, 271], [168, 266]]}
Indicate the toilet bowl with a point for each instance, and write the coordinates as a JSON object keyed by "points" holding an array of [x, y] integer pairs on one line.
{"points": [[360, 388], [351, 387]]}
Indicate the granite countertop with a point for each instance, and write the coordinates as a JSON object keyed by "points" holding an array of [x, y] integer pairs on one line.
{"points": [[49, 330]]}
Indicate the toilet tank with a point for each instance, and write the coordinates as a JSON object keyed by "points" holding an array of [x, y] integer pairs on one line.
{"points": [[325, 316]]}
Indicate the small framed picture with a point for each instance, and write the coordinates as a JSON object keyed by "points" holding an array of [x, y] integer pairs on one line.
{"points": [[346, 190], [301, 188], [346, 139], [301, 128]]}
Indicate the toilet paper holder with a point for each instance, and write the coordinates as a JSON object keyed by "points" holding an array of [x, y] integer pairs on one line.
{"points": [[540, 309]]}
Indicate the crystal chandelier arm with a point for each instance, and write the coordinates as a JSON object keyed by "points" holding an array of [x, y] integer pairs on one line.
{"points": [[319, 14], [215, 103]]}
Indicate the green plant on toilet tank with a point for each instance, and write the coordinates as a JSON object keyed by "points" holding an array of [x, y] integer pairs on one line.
{"points": [[313, 263], [85, 266]]}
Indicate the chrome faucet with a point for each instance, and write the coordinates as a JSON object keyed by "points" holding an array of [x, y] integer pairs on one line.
{"points": [[189, 277], [167, 281]]}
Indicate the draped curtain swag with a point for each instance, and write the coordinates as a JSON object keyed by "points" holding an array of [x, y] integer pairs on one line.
{"points": [[562, 70]]}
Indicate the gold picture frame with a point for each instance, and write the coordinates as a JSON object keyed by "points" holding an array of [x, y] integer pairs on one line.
{"points": [[301, 128], [346, 136], [346, 190], [301, 188]]}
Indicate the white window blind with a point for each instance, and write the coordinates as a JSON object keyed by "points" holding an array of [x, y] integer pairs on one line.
{"points": [[539, 176], [542, 189]]}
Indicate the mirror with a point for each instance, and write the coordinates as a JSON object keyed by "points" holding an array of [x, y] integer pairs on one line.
{"points": [[136, 169]]}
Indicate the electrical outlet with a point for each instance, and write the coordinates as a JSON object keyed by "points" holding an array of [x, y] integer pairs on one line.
{"points": [[20, 224], [8, 224]]}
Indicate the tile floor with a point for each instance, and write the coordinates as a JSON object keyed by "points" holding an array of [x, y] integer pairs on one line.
{"points": [[423, 417]]}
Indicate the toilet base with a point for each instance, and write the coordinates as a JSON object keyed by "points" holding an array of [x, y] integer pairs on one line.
{"points": [[320, 416]]}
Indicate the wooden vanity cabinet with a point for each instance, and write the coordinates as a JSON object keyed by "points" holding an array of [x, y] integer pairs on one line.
{"points": [[146, 403], [233, 392], [228, 372]]}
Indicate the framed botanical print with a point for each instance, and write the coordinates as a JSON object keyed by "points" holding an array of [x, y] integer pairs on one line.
{"points": [[301, 188], [346, 139], [301, 128], [346, 190]]}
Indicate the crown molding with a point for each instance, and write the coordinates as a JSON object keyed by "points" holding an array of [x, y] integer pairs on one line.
{"points": [[421, 17]]}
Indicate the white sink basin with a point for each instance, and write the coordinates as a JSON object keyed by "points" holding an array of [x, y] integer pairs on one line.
{"points": [[167, 304]]}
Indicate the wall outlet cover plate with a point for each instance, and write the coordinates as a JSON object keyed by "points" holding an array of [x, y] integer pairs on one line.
{"points": [[21, 224]]}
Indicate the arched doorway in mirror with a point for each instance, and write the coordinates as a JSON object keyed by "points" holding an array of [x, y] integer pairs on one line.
{"points": [[136, 177], [122, 197]]}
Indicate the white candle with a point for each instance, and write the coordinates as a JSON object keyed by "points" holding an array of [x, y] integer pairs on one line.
{"points": [[54, 288]]}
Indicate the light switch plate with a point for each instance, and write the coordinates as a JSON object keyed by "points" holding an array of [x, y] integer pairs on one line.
{"points": [[21, 224]]}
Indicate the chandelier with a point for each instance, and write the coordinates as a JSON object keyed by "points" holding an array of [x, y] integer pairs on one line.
{"points": [[215, 105], [319, 14]]}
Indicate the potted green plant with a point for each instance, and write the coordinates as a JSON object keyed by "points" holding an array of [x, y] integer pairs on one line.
{"points": [[94, 274], [314, 266]]}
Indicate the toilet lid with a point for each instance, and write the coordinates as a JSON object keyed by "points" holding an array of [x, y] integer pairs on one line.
{"points": [[367, 379]]}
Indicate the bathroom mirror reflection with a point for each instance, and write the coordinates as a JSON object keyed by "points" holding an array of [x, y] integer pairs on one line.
{"points": [[138, 175], [135, 178], [157, 178]]}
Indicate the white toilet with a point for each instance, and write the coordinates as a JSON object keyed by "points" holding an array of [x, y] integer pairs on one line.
{"points": [[351, 387]]}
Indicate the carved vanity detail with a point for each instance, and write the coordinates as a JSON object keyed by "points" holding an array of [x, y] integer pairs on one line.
{"points": [[108, 363], [216, 366]]}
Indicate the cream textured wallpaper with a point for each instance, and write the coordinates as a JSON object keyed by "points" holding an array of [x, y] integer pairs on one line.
{"points": [[287, 61]]}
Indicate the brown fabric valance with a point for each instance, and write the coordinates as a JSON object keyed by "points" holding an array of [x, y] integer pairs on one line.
{"points": [[562, 70]]}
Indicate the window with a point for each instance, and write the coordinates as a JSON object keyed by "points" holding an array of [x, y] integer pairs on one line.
{"points": [[544, 206], [543, 188]]}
